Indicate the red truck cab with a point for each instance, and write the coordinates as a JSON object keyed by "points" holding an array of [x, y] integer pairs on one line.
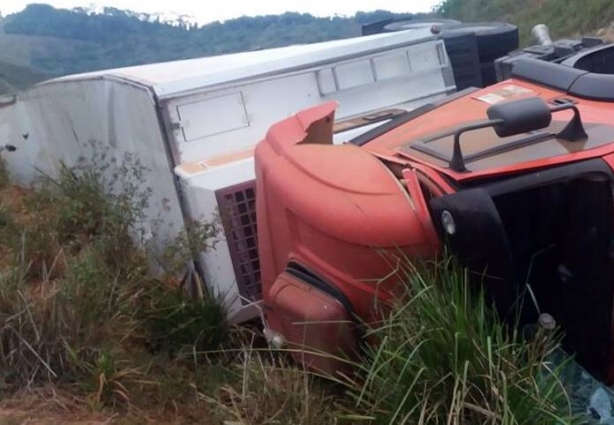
{"points": [[516, 179]]}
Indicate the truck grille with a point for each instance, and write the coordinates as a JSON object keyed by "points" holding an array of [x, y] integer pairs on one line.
{"points": [[237, 206]]}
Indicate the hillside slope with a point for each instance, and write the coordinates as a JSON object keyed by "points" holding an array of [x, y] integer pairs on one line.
{"points": [[42, 41], [14, 77], [564, 17]]}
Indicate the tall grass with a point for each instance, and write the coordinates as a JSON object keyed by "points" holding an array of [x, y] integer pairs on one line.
{"points": [[266, 389], [443, 357], [78, 305], [65, 330]]}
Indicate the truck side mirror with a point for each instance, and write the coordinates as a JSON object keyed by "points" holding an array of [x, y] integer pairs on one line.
{"points": [[520, 116]]}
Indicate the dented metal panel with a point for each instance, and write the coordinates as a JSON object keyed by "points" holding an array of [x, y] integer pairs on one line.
{"points": [[81, 120]]}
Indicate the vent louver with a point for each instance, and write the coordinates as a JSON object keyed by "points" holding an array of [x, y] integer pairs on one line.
{"points": [[237, 205]]}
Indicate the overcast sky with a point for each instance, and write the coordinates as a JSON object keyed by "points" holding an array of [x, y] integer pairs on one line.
{"points": [[206, 11]]}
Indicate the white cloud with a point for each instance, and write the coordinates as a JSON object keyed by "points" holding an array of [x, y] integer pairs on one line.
{"points": [[226, 9]]}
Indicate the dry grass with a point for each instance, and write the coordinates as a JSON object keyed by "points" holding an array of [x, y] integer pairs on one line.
{"points": [[268, 390]]}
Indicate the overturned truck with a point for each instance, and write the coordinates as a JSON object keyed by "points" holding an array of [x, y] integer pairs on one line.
{"points": [[387, 158], [194, 124], [516, 178]]}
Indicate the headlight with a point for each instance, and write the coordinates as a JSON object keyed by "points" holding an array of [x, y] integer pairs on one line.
{"points": [[447, 221]]}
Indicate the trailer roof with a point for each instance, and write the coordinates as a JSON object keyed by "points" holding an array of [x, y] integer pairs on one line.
{"points": [[170, 79]]}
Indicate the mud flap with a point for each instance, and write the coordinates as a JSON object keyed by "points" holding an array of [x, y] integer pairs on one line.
{"points": [[475, 234]]}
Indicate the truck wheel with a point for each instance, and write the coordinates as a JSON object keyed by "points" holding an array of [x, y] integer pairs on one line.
{"points": [[494, 39], [489, 75], [463, 54]]}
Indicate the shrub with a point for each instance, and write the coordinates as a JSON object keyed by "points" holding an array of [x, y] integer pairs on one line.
{"points": [[99, 201], [194, 238], [37, 247]]}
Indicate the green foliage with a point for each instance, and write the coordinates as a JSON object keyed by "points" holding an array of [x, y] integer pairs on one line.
{"points": [[118, 38], [92, 205], [14, 78], [43, 41], [443, 357], [37, 248], [194, 238], [59, 329], [181, 324], [564, 17]]}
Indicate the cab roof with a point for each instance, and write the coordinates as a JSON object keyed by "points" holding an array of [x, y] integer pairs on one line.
{"points": [[428, 138]]}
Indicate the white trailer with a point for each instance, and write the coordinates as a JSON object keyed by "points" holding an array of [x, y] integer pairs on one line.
{"points": [[195, 123]]}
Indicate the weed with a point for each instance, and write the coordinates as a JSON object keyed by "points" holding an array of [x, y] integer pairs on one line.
{"points": [[37, 247], [100, 201], [61, 330], [180, 323], [196, 237], [444, 358], [4, 174]]}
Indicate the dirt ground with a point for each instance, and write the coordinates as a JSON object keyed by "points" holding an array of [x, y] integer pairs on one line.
{"points": [[47, 408], [52, 407]]}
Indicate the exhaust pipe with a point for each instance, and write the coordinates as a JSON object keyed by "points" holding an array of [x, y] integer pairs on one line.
{"points": [[542, 34]]}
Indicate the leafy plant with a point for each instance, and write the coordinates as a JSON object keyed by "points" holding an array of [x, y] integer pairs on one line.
{"points": [[196, 237], [99, 201]]}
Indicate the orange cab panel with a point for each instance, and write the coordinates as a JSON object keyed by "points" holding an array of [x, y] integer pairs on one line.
{"points": [[338, 213], [313, 321]]}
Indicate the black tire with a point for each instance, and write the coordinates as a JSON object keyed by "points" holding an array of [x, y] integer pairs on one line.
{"points": [[489, 74], [463, 54], [412, 24], [375, 27], [494, 39]]}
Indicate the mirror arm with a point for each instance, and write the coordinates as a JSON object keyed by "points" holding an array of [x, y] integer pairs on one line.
{"points": [[457, 163], [574, 130]]}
